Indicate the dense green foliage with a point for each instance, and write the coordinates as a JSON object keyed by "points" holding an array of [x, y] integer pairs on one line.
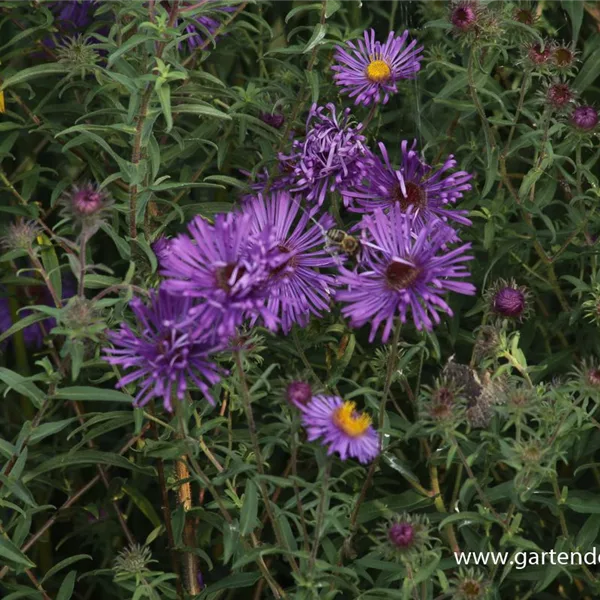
{"points": [[493, 449]]}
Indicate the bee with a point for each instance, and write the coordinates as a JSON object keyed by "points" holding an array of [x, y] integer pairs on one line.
{"points": [[347, 244]]}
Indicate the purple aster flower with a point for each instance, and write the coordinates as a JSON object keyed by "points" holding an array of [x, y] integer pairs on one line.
{"points": [[73, 15], [414, 184], [332, 156], [584, 118], [298, 287], [203, 28], [166, 350], [405, 269], [228, 267], [298, 393], [341, 428], [370, 69]]}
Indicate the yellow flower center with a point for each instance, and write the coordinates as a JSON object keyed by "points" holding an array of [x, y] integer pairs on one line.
{"points": [[352, 423], [378, 71]]}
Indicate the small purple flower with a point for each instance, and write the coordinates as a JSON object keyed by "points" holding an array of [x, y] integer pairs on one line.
{"points": [[228, 267], [414, 184], [371, 70], [508, 299], [166, 350], [341, 428], [298, 393], [401, 535], [332, 156], [275, 120], [406, 269], [298, 288], [584, 118], [203, 28]]}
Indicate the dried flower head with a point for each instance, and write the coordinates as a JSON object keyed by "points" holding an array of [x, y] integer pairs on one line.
{"points": [[537, 56], [563, 57], [584, 118], [442, 404], [487, 342], [21, 235], [464, 16], [332, 156], [469, 584], [508, 300], [559, 96], [525, 16]]}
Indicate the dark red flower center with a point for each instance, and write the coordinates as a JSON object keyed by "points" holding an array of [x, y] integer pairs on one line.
{"points": [[594, 377], [462, 16], [559, 94], [223, 276], [415, 195], [400, 276]]}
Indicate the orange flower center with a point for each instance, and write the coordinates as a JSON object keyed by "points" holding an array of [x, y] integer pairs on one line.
{"points": [[352, 423], [378, 71]]}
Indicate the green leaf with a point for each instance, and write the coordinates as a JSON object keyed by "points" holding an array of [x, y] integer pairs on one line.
{"points": [[33, 72], [13, 554], [318, 34], [584, 502], [46, 429], [331, 7], [62, 564], [202, 109], [234, 581], [132, 42], [82, 457], [164, 96], [51, 264], [300, 9], [143, 503], [249, 513], [21, 385], [589, 72], [68, 585], [21, 324], [575, 10], [83, 393]]}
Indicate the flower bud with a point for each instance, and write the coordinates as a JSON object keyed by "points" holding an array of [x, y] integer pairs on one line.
{"points": [[298, 393]]}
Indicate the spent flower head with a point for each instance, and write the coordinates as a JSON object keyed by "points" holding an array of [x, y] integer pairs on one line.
{"points": [[469, 584], [537, 56], [558, 96], [332, 156], [21, 236], [563, 58]]}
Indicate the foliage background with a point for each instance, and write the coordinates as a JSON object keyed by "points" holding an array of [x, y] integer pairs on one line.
{"points": [[169, 133]]}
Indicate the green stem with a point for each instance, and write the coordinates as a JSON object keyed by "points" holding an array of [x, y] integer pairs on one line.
{"points": [[324, 483]]}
